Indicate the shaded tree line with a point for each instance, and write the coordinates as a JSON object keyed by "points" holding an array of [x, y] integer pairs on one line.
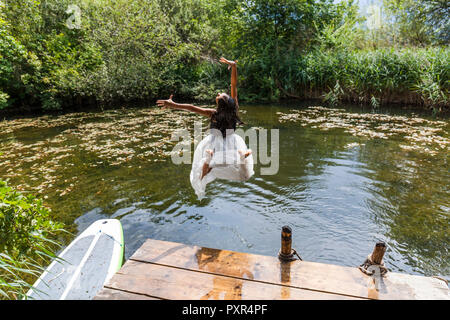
{"points": [[125, 51]]}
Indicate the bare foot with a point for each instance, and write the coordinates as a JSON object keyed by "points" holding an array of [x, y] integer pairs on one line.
{"points": [[210, 152], [245, 155]]}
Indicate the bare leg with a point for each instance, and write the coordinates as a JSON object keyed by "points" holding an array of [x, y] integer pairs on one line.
{"points": [[206, 169], [244, 170]]}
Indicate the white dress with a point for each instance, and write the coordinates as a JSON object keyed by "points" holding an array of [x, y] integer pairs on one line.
{"points": [[227, 162]]}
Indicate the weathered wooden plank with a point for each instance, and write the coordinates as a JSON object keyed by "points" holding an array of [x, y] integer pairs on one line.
{"points": [[299, 274], [180, 284], [113, 294]]}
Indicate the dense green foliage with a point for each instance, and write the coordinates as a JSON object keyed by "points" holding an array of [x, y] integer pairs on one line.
{"points": [[115, 51], [25, 244]]}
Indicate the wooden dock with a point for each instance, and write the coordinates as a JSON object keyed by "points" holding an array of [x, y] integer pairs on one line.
{"points": [[175, 271]]}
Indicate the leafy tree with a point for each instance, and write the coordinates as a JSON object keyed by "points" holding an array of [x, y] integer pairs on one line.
{"points": [[420, 22]]}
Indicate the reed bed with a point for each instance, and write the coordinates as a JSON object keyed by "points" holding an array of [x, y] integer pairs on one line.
{"points": [[412, 76]]}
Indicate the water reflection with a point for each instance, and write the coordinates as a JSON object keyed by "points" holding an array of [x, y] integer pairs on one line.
{"points": [[285, 277], [215, 261], [410, 197]]}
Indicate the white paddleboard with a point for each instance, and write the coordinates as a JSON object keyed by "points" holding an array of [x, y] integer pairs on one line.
{"points": [[87, 264]]}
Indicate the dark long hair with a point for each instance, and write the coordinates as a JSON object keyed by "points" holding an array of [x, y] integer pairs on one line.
{"points": [[226, 115]]}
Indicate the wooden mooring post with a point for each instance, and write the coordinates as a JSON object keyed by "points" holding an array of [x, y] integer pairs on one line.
{"points": [[378, 253], [286, 253], [374, 261]]}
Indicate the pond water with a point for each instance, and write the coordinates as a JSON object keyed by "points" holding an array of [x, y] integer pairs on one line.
{"points": [[347, 178]]}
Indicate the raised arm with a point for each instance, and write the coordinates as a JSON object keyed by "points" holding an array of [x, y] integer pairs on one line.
{"points": [[232, 64], [207, 112]]}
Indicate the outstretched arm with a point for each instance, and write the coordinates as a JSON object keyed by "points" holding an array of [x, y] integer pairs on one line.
{"points": [[188, 107], [232, 64]]}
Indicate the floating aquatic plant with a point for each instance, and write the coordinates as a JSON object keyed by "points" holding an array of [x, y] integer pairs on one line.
{"points": [[420, 134], [110, 138]]}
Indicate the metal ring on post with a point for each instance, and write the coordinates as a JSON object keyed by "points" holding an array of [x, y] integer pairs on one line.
{"points": [[375, 259]]}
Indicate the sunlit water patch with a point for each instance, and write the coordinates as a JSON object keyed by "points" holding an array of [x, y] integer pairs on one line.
{"points": [[347, 179]]}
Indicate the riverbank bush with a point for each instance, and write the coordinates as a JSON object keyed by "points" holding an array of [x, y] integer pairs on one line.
{"points": [[26, 244]]}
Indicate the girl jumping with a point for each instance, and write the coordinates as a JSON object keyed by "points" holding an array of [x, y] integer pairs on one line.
{"points": [[222, 153]]}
